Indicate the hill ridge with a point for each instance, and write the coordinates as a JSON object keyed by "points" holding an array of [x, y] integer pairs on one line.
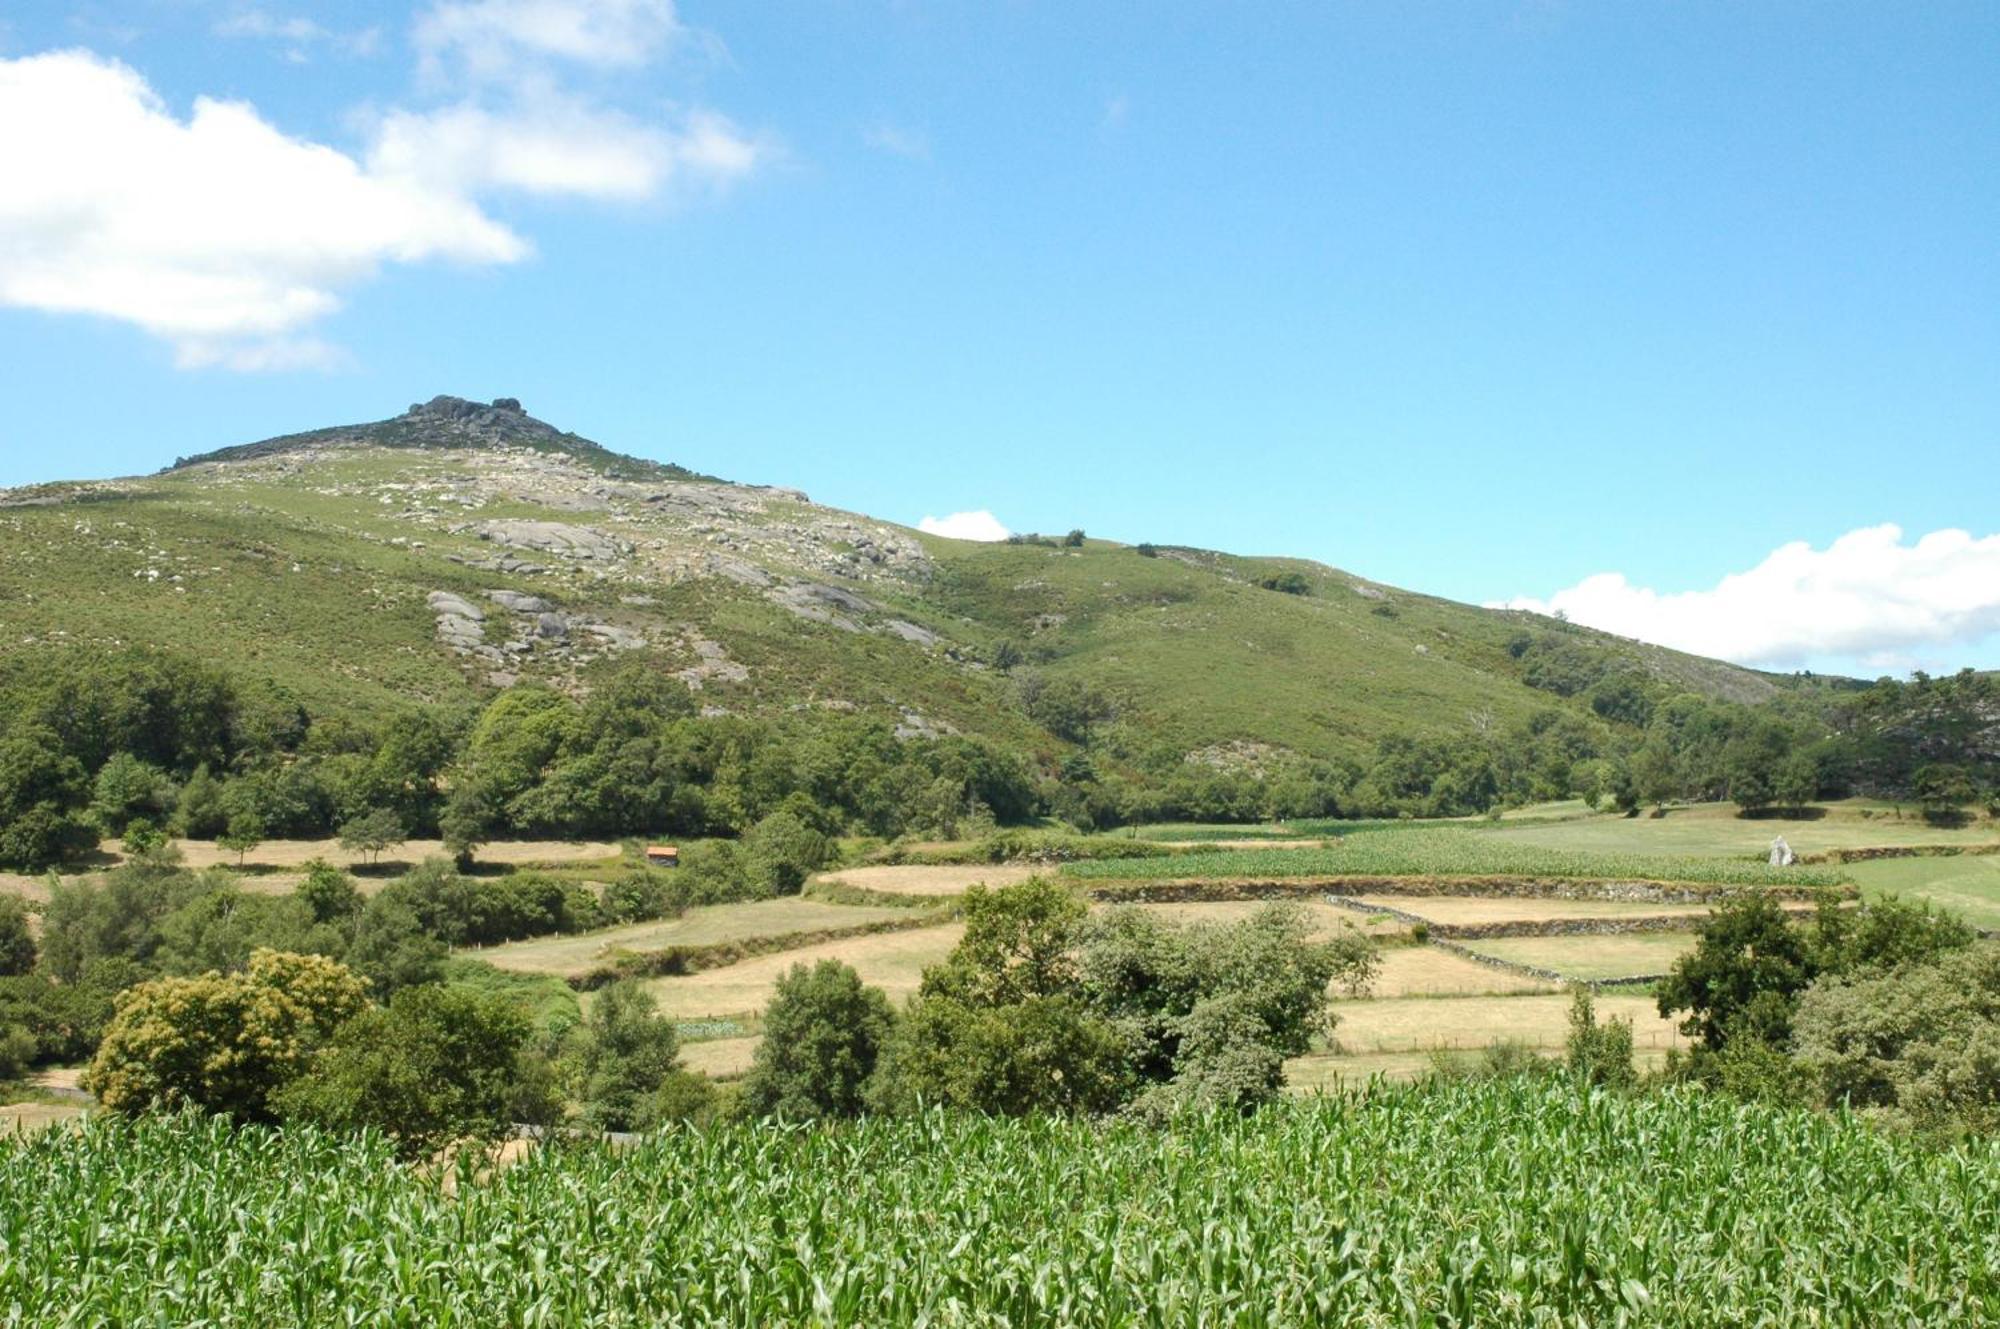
{"points": [[448, 422]]}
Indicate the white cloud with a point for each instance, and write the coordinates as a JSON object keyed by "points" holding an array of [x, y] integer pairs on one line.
{"points": [[558, 145], [492, 38], [296, 33], [1867, 596], [981, 525], [212, 232], [897, 141], [227, 237]]}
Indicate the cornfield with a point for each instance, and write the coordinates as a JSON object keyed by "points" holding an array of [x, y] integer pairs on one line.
{"points": [[1432, 852], [1495, 1203]]}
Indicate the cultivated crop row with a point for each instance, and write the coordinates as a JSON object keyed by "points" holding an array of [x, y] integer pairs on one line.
{"points": [[1496, 1203], [1451, 853]]}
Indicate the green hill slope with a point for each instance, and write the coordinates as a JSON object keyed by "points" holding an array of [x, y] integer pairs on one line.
{"points": [[459, 547]]}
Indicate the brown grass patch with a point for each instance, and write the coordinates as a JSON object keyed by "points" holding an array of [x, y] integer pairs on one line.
{"points": [[705, 925], [1425, 971], [1418, 1024], [928, 879], [892, 961]]}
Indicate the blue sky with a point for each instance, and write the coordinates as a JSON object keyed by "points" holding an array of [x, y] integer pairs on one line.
{"points": [[1481, 300]]}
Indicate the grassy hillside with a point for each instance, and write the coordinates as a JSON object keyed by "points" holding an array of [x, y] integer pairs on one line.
{"points": [[314, 562]]}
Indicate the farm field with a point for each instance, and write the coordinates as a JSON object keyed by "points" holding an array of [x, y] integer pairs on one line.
{"points": [[1515, 1203], [720, 1058], [1426, 971], [1419, 1024], [1449, 852], [577, 953], [929, 879], [1472, 910], [892, 961], [1713, 829], [1968, 884], [1328, 919], [1592, 959]]}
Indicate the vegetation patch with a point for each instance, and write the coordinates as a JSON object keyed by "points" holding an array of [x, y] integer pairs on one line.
{"points": [[1441, 853]]}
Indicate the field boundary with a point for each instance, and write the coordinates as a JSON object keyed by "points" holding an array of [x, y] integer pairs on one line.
{"points": [[1181, 890], [1869, 854], [1534, 970], [1526, 927], [693, 958]]}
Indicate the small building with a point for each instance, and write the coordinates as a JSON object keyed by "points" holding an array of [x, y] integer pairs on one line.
{"points": [[663, 855]]}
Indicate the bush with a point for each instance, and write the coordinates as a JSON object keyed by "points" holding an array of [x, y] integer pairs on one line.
{"points": [[1598, 1054], [435, 1065], [17, 940], [823, 1034], [625, 1054], [222, 1043]]}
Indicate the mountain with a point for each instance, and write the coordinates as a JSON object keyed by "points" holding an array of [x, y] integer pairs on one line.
{"points": [[462, 546]]}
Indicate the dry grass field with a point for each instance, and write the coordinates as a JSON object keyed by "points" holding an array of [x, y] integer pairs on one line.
{"points": [[928, 879], [1327, 919], [892, 961], [1592, 958], [1426, 971], [720, 1058], [577, 953], [1471, 910], [1419, 1024]]}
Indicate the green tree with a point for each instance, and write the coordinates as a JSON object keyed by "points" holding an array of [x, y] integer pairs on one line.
{"points": [[1747, 966], [246, 832], [17, 939], [43, 792], [824, 1031], [199, 813], [437, 1064], [1598, 1054], [391, 949], [1943, 789], [222, 1043], [127, 787], [1074, 540], [372, 832], [783, 850], [1797, 782], [627, 1052], [328, 893], [1920, 1043]]}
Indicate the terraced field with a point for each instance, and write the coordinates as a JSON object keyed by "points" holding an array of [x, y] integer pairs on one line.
{"points": [[578, 953], [1592, 959], [1442, 852]]}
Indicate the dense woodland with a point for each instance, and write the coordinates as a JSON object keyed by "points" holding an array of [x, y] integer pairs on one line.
{"points": [[91, 744]]}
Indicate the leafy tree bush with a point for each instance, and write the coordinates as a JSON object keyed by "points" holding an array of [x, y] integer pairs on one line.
{"points": [[1286, 583], [391, 949], [626, 1052], [245, 832], [1919, 1043], [17, 939], [1074, 540], [222, 1043], [1943, 789], [436, 1064], [1598, 1054], [126, 788], [372, 832], [1746, 953], [329, 894], [824, 1031], [782, 850]]}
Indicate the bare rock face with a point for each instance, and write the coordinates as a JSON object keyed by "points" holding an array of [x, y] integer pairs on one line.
{"points": [[520, 603], [555, 537]]}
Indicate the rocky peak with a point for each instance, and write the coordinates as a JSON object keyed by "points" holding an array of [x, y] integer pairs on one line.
{"points": [[446, 422]]}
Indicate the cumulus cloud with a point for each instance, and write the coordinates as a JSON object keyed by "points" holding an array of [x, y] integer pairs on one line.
{"points": [[1868, 596], [981, 525], [228, 237], [211, 231], [558, 145]]}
